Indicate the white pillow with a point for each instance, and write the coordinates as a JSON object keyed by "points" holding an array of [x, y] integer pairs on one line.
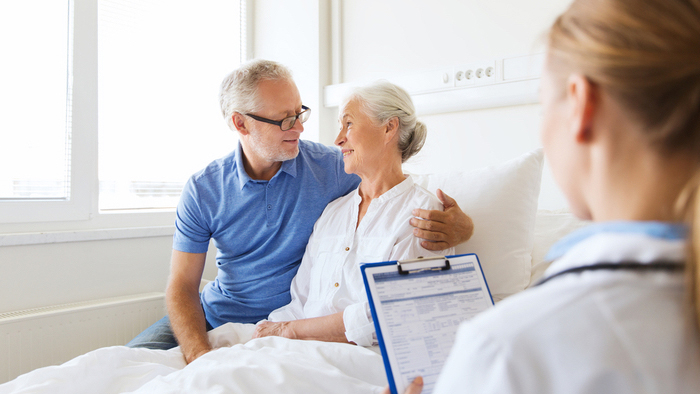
{"points": [[502, 202]]}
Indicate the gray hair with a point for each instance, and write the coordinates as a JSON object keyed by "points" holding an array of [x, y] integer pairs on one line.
{"points": [[238, 91], [383, 101]]}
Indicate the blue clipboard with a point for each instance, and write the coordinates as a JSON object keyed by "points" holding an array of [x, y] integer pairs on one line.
{"points": [[400, 285]]}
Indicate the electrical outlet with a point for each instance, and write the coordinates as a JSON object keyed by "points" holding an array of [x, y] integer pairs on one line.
{"points": [[479, 73], [464, 75], [485, 73], [469, 74]]}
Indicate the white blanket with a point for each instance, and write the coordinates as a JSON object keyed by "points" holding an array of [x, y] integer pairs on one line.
{"points": [[238, 365]]}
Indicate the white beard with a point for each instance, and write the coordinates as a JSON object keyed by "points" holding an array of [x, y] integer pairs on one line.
{"points": [[267, 151]]}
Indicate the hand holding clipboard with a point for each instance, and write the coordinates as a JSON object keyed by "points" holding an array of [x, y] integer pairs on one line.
{"points": [[417, 306]]}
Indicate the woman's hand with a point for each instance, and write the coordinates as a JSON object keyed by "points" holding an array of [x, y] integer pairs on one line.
{"points": [[442, 229], [414, 388], [325, 328], [278, 329]]}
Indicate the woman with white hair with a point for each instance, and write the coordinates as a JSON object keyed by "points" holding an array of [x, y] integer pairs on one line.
{"points": [[379, 131]]}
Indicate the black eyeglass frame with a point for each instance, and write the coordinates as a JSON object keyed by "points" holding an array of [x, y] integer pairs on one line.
{"points": [[305, 111]]}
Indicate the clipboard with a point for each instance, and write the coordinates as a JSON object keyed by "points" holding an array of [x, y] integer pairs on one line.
{"points": [[417, 306]]}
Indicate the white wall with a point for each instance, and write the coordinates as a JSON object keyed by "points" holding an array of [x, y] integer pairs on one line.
{"points": [[383, 38], [379, 38], [50, 274], [39, 275], [294, 34], [393, 36]]}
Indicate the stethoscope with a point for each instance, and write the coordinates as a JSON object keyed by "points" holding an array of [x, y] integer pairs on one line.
{"points": [[654, 266]]}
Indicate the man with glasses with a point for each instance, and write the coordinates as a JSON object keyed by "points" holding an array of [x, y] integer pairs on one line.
{"points": [[259, 204]]}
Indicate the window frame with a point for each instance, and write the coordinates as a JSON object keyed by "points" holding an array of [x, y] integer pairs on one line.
{"points": [[81, 211], [82, 66]]}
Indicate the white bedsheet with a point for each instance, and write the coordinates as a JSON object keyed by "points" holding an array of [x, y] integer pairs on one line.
{"points": [[239, 365]]}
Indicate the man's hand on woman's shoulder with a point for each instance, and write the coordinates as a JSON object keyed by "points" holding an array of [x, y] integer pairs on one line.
{"points": [[442, 229]]}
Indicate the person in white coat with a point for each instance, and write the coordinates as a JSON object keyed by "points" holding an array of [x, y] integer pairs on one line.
{"points": [[618, 310]]}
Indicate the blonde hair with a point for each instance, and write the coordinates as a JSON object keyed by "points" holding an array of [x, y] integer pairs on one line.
{"points": [[383, 101], [646, 55]]}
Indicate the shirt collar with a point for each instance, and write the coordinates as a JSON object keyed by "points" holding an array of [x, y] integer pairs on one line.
{"points": [[288, 166], [389, 194], [660, 230], [243, 176]]}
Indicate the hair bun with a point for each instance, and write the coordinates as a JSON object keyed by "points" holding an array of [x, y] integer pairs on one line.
{"points": [[415, 141]]}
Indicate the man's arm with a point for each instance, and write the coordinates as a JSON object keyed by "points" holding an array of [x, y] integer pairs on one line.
{"points": [[442, 229], [184, 308]]}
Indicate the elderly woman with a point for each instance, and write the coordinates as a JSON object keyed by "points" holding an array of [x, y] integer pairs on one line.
{"points": [[379, 131]]}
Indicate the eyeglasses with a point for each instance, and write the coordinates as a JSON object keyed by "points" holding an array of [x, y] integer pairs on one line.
{"points": [[288, 122]]}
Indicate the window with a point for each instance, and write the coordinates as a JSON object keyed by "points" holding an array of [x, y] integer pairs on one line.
{"points": [[110, 104], [35, 100], [160, 65]]}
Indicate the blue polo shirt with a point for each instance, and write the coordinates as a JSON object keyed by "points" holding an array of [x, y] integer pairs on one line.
{"points": [[260, 228]]}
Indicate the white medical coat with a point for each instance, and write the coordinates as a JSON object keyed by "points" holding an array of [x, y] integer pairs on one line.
{"points": [[591, 332]]}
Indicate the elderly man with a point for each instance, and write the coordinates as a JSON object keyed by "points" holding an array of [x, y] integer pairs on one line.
{"points": [[259, 204]]}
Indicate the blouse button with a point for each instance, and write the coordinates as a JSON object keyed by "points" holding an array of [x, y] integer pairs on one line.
{"points": [[347, 248], [336, 284]]}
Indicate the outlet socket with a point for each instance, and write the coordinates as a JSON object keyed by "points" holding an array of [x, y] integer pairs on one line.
{"points": [[464, 75], [479, 73], [486, 73]]}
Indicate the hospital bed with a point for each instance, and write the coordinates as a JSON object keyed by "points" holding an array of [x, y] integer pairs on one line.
{"points": [[511, 238]]}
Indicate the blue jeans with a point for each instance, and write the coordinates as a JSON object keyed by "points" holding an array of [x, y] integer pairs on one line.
{"points": [[158, 336]]}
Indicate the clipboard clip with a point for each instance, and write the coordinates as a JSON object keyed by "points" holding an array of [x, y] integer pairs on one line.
{"points": [[405, 271]]}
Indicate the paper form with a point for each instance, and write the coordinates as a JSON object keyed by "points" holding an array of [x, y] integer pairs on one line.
{"points": [[420, 314]]}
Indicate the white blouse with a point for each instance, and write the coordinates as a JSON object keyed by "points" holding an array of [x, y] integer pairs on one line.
{"points": [[329, 279], [604, 331]]}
